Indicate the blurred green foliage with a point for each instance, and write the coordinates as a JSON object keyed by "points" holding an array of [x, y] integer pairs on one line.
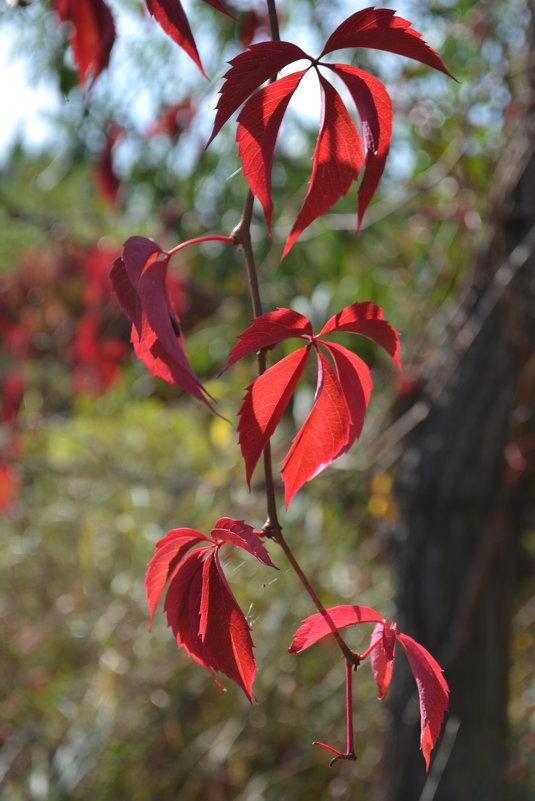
{"points": [[92, 705]]}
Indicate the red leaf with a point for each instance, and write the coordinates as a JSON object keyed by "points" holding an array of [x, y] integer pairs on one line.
{"points": [[201, 609], [318, 626], [381, 650], [382, 30], [248, 72], [92, 36], [432, 690], [139, 281], [337, 161], [354, 377], [374, 108], [169, 551], [172, 18], [183, 602], [269, 329], [323, 435], [239, 533], [224, 630], [258, 128], [367, 320], [264, 404], [337, 416]]}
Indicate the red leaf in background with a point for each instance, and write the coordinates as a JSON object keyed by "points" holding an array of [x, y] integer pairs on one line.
{"points": [[337, 161], [250, 24], [92, 36], [172, 18], [381, 29], [340, 154], [139, 281], [11, 393], [258, 128], [342, 394], [201, 609], [9, 486], [106, 181], [96, 359], [172, 120], [433, 690]]}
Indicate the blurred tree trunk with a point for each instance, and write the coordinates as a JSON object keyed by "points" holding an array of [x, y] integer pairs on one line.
{"points": [[464, 496]]}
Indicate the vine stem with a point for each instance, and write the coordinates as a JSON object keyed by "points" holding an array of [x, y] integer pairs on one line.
{"points": [[241, 236]]}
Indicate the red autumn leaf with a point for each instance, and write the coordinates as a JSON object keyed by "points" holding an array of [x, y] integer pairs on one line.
{"points": [[433, 690], [318, 626], [105, 179], [248, 72], [172, 120], [264, 405], [139, 279], [96, 359], [92, 36], [342, 393], [382, 651], [381, 29], [172, 18], [201, 609], [338, 159], [323, 435], [340, 155], [374, 109], [258, 128]]}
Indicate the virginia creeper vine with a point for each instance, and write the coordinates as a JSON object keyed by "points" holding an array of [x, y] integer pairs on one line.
{"points": [[201, 609]]}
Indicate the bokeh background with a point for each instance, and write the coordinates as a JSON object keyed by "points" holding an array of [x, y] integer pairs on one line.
{"points": [[98, 460]]}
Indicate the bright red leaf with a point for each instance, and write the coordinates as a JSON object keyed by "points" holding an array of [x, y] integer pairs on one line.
{"points": [[340, 154], [173, 20], [92, 35], [201, 609], [433, 690], [342, 393], [139, 279]]}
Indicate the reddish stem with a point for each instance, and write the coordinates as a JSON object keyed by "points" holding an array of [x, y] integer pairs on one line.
{"points": [[228, 240]]}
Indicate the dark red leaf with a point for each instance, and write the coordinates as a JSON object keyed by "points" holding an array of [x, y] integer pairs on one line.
{"points": [[224, 631], [241, 534], [382, 30], [139, 280], [318, 626], [264, 404], [169, 551], [323, 434], [433, 692], [268, 330], [338, 159], [367, 320], [374, 108], [258, 128], [248, 72], [92, 36], [172, 18]]}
